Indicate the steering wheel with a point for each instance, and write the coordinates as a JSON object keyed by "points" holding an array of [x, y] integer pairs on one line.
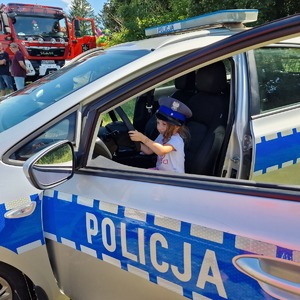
{"points": [[101, 149], [108, 142], [128, 124]]}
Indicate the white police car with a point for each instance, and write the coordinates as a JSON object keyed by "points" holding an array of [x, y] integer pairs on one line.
{"points": [[94, 222]]}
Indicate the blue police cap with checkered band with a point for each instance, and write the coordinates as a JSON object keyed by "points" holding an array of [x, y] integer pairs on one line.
{"points": [[173, 111]]}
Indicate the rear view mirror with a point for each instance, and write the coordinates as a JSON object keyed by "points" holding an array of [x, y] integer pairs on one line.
{"points": [[12, 15], [51, 166]]}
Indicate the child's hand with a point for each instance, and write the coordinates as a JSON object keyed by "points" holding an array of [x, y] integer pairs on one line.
{"points": [[136, 136]]}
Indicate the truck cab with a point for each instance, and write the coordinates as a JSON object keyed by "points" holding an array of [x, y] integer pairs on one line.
{"points": [[44, 36]]}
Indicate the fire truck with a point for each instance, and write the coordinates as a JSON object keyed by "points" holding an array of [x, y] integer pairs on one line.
{"points": [[44, 35]]}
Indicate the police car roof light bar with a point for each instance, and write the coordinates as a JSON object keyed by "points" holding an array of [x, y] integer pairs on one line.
{"points": [[220, 17]]}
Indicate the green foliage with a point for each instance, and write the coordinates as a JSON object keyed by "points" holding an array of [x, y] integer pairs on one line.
{"points": [[81, 8], [128, 108], [127, 19], [57, 156], [118, 37]]}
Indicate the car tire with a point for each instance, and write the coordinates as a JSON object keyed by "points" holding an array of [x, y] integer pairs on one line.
{"points": [[14, 285]]}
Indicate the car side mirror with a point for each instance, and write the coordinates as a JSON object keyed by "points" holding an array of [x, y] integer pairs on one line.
{"points": [[76, 25], [51, 166], [77, 30]]}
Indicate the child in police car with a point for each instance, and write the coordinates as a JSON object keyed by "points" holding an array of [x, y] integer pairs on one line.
{"points": [[169, 145]]}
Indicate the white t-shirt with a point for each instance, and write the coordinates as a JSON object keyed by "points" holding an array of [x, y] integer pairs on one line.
{"points": [[174, 160]]}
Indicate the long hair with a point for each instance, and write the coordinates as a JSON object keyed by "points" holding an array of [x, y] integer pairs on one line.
{"points": [[183, 131]]}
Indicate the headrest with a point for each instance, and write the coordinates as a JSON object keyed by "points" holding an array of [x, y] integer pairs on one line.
{"points": [[186, 82], [212, 78], [210, 109]]}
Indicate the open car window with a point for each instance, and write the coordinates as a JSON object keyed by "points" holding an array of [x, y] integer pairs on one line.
{"points": [[210, 106]]}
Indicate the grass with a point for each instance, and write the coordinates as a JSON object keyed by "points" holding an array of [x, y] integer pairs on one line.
{"points": [[128, 108]]}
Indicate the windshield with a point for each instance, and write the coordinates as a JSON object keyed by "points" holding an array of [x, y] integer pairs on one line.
{"points": [[52, 88], [33, 26]]}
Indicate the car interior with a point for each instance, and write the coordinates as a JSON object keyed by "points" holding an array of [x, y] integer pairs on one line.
{"points": [[205, 91]]}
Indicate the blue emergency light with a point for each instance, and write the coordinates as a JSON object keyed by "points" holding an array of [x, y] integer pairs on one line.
{"points": [[221, 17]]}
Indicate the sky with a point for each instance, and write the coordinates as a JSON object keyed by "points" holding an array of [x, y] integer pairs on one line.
{"points": [[97, 5]]}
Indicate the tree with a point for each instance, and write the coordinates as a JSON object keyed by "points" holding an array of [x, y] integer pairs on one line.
{"points": [[81, 8], [110, 17], [127, 19]]}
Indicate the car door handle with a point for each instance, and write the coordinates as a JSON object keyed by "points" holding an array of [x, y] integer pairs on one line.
{"points": [[21, 211], [279, 278]]}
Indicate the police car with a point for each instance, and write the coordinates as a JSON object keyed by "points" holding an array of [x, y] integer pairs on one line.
{"points": [[82, 215]]}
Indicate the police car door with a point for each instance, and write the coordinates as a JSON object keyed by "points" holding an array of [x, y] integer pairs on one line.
{"points": [[126, 233], [275, 123]]}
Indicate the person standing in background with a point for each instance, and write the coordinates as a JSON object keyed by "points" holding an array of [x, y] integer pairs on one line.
{"points": [[5, 78], [18, 67]]}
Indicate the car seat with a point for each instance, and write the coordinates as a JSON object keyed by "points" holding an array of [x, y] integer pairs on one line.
{"points": [[185, 88], [207, 125]]}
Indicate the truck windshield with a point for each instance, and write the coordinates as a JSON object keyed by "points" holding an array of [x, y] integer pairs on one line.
{"points": [[40, 27], [52, 88]]}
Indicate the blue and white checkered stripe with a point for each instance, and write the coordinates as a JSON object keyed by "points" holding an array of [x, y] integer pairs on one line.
{"points": [[277, 151], [167, 252], [21, 234]]}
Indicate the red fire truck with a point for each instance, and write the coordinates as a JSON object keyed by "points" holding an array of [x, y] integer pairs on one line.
{"points": [[44, 35]]}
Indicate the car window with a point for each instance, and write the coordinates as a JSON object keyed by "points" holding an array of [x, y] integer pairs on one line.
{"points": [[50, 89], [63, 130], [205, 91], [278, 70]]}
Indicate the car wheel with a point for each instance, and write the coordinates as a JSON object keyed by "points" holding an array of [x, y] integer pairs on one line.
{"points": [[14, 285]]}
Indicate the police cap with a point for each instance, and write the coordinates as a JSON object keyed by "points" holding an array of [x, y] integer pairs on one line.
{"points": [[173, 111]]}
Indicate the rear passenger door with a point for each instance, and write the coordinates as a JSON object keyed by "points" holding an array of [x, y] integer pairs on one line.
{"points": [[276, 124]]}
